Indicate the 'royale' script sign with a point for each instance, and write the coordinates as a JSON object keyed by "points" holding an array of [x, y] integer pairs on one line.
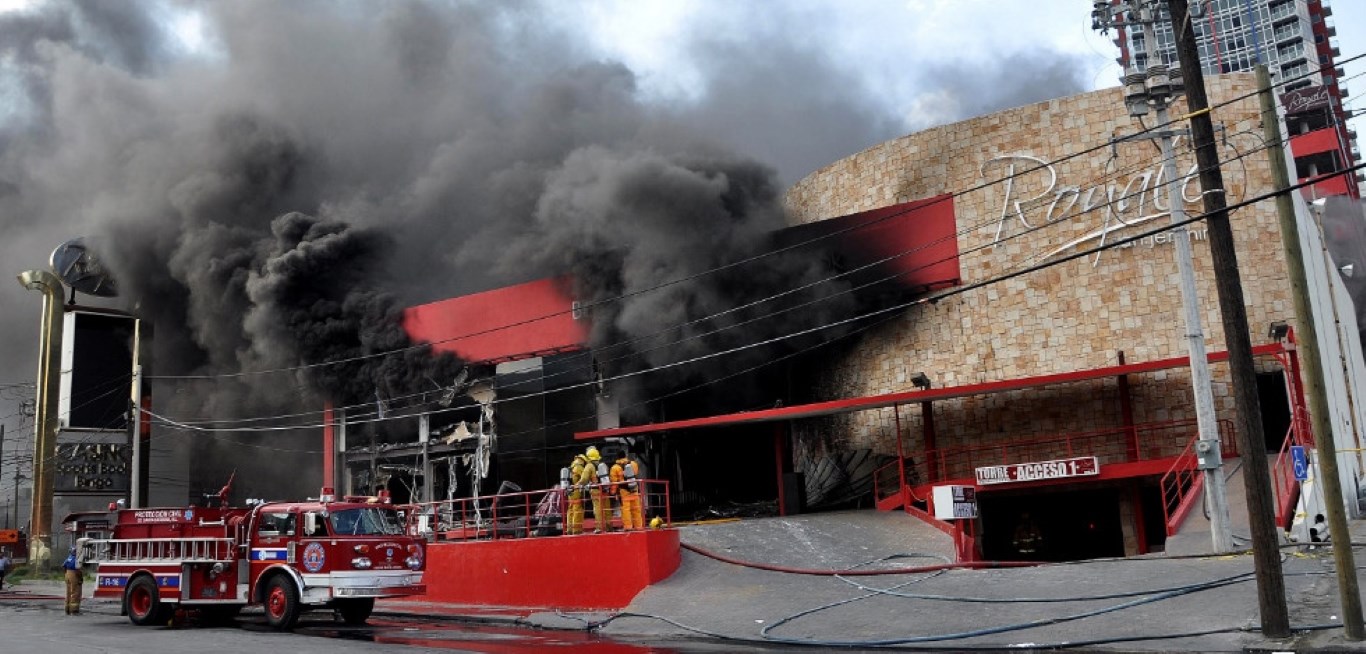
{"points": [[1119, 202]]}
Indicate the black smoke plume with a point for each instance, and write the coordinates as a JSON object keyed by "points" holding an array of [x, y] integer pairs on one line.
{"points": [[271, 192]]}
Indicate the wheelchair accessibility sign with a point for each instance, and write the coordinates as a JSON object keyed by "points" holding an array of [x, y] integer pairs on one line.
{"points": [[1300, 462]]}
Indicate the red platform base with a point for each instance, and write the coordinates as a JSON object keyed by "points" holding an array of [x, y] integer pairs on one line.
{"points": [[592, 571]]}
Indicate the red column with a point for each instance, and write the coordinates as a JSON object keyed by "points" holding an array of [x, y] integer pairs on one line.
{"points": [[1126, 411], [931, 456], [900, 458]]}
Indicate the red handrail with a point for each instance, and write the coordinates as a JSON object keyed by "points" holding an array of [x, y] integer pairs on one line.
{"points": [[1178, 487], [1283, 482], [522, 514]]}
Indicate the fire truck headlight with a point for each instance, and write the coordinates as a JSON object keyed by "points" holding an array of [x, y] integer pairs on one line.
{"points": [[361, 563], [414, 563]]}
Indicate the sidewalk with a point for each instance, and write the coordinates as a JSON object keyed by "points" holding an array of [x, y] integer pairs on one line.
{"points": [[1174, 602]]}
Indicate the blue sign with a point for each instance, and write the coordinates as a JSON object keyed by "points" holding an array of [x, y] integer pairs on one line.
{"points": [[1300, 461]]}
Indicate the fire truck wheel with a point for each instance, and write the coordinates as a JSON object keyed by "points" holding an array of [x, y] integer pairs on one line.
{"points": [[282, 603], [143, 603], [355, 611]]}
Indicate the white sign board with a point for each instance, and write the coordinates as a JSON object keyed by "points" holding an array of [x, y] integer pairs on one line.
{"points": [[1081, 466], [955, 502]]}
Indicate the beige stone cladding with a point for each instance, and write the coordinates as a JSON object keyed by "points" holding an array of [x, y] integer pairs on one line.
{"points": [[1034, 185]]}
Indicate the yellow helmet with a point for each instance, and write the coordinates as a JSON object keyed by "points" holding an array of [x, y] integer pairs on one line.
{"points": [[656, 522], [593, 454]]}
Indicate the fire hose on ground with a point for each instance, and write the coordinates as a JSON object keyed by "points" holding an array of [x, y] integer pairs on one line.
{"points": [[766, 636]]}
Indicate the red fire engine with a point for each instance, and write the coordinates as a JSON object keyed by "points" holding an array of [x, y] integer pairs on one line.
{"points": [[287, 556]]}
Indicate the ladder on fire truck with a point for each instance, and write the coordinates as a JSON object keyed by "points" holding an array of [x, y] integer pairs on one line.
{"points": [[151, 550]]}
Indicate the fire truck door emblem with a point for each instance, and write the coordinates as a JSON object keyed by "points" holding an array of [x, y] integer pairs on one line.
{"points": [[189, 515], [314, 557]]}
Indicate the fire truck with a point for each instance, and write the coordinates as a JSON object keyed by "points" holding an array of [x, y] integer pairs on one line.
{"points": [[286, 556]]}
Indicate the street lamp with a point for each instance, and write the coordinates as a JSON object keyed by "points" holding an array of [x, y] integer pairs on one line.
{"points": [[45, 414], [1155, 87]]}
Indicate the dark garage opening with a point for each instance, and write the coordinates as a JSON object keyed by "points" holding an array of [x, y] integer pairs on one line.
{"points": [[1072, 524], [1275, 403]]}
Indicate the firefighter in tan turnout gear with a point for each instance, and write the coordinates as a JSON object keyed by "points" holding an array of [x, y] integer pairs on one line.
{"points": [[602, 504], [581, 475], [623, 474]]}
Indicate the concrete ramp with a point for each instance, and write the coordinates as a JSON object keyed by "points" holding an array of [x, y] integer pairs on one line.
{"points": [[1194, 536], [835, 540]]}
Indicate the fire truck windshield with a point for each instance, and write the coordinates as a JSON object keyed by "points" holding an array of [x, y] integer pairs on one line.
{"points": [[369, 521]]}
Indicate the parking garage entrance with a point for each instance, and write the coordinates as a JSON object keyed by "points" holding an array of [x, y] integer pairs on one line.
{"points": [[1071, 522]]}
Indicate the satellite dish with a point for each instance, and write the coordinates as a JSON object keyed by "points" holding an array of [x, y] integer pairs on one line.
{"points": [[78, 267]]}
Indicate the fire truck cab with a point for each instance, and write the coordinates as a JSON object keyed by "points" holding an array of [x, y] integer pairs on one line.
{"points": [[286, 556]]}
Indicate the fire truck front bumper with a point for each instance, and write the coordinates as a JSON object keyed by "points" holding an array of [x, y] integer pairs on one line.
{"points": [[365, 583]]}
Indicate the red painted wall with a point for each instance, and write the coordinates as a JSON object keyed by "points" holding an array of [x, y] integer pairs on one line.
{"points": [[488, 326], [1319, 140], [596, 571], [918, 240]]}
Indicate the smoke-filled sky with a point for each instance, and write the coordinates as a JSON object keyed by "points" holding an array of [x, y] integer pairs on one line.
{"points": [[264, 176]]}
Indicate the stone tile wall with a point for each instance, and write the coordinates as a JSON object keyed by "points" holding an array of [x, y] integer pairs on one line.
{"points": [[1075, 315]]}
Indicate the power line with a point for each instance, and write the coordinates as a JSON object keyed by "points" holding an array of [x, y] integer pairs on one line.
{"points": [[1118, 173], [686, 278]]}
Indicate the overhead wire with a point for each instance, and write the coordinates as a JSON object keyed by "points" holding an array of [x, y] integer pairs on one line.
{"points": [[700, 274], [932, 298], [1106, 206]]}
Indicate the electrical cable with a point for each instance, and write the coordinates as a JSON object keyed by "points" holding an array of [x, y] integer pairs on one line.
{"points": [[931, 299], [965, 565], [314, 413], [1122, 242], [710, 271]]}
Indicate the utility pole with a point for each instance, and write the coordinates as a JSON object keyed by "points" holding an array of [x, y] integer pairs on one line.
{"points": [[1256, 474], [1156, 86], [1308, 345]]}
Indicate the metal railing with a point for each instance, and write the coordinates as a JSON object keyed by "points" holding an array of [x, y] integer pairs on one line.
{"points": [[532, 514], [159, 550], [1177, 485], [1283, 483], [887, 482]]}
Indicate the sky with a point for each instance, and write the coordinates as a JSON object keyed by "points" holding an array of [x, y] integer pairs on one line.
{"points": [[237, 161]]}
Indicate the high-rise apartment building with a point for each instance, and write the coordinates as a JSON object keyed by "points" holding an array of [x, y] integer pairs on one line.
{"points": [[1294, 38]]}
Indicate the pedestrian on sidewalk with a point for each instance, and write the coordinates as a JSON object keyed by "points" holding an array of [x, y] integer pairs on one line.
{"points": [[74, 579], [4, 566]]}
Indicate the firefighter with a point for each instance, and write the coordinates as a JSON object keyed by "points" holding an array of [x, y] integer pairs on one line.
{"points": [[602, 504], [1028, 540], [4, 566], [74, 579], [623, 474], [579, 479]]}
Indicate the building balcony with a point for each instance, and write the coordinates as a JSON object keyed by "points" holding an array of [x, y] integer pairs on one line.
{"points": [[1287, 34]]}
